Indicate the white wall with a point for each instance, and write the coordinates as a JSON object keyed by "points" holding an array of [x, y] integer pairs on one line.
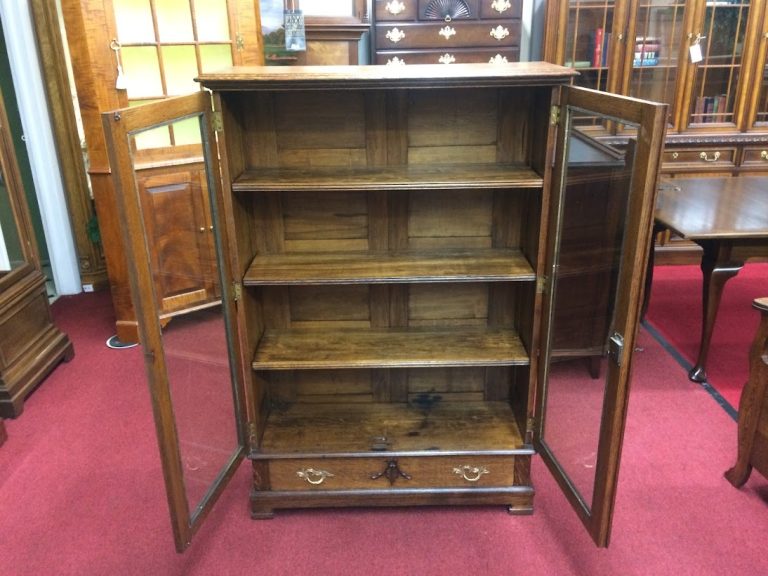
{"points": [[27, 80]]}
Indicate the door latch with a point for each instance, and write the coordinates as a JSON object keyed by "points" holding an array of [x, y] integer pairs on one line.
{"points": [[616, 348]]}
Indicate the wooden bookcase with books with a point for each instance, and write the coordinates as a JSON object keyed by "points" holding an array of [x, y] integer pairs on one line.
{"points": [[705, 59]]}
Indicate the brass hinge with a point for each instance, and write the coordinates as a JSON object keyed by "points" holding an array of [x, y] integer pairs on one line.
{"points": [[239, 42], [237, 291], [542, 284], [217, 122], [554, 115], [253, 439]]}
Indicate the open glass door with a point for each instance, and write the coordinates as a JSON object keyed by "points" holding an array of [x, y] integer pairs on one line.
{"points": [[600, 223], [192, 359]]}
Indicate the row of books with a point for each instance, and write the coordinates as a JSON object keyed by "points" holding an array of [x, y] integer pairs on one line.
{"points": [[711, 109], [647, 49]]}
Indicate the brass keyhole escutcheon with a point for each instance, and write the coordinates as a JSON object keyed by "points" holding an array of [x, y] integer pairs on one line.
{"points": [[391, 472]]}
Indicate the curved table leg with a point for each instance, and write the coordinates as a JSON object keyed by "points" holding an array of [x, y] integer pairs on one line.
{"points": [[717, 268]]}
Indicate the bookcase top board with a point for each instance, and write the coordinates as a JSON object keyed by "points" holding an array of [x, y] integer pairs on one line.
{"points": [[409, 76]]}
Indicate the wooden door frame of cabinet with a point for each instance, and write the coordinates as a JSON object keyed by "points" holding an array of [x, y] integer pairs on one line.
{"points": [[748, 106]]}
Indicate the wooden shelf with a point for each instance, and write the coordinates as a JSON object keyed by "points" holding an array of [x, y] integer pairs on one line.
{"points": [[367, 429], [389, 348], [420, 177], [478, 265]]}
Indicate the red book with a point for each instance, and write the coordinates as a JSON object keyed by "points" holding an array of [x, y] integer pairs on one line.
{"points": [[597, 57]]}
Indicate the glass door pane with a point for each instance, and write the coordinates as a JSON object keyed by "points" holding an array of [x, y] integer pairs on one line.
{"points": [[174, 232], [601, 214], [716, 77], [655, 66]]}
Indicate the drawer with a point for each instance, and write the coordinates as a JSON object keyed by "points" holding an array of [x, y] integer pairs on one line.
{"points": [[398, 10], [680, 159], [461, 56], [756, 158], [447, 10], [383, 472], [453, 35], [501, 9]]}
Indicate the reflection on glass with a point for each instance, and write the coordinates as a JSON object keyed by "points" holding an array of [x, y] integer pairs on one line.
{"points": [[593, 212], [134, 21], [174, 21], [182, 243], [654, 66], [11, 255], [717, 76]]}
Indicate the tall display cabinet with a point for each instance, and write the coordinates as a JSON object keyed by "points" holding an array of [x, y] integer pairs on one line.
{"points": [[705, 59], [402, 253], [30, 343]]}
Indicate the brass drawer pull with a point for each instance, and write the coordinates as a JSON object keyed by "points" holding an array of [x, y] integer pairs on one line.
{"points": [[447, 32], [499, 32], [764, 155], [471, 473], [395, 7], [395, 62], [314, 476], [395, 35], [498, 59], [392, 472], [675, 155], [715, 157], [501, 5], [447, 59]]}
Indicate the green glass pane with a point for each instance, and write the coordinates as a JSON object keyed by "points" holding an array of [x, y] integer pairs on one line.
{"points": [[180, 65], [142, 72], [187, 131], [134, 21], [215, 56], [155, 138], [174, 21], [212, 21]]}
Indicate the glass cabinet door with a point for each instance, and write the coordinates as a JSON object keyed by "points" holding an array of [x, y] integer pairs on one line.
{"points": [[758, 114], [716, 49], [601, 215], [654, 51], [192, 361], [589, 41]]}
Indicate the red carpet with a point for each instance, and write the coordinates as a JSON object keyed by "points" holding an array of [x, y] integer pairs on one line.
{"points": [[675, 311], [81, 493]]}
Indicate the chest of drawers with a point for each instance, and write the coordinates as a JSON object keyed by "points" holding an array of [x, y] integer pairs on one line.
{"points": [[447, 31]]}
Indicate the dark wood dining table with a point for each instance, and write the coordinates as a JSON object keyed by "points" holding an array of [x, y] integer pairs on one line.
{"points": [[728, 218]]}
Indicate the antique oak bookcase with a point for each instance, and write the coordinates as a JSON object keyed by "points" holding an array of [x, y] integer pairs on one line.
{"points": [[429, 275]]}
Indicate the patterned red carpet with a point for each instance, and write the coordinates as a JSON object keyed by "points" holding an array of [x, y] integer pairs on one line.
{"points": [[81, 493], [675, 312]]}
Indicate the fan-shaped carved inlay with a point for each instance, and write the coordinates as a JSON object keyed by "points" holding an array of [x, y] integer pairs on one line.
{"points": [[447, 10]]}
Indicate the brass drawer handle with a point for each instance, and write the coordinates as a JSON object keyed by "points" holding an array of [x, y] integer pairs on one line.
{"points": [[764, 155], [395, 35], [447, 59], [395, 62], [498, 59], [395, 7], [313, 476], [499, 32], [501, 5], [447, 32], [675, 155], [471, 473], [391, 472], [715, 157]]}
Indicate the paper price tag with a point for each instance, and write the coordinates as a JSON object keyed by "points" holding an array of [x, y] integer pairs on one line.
{"points": [[695, 53]]}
